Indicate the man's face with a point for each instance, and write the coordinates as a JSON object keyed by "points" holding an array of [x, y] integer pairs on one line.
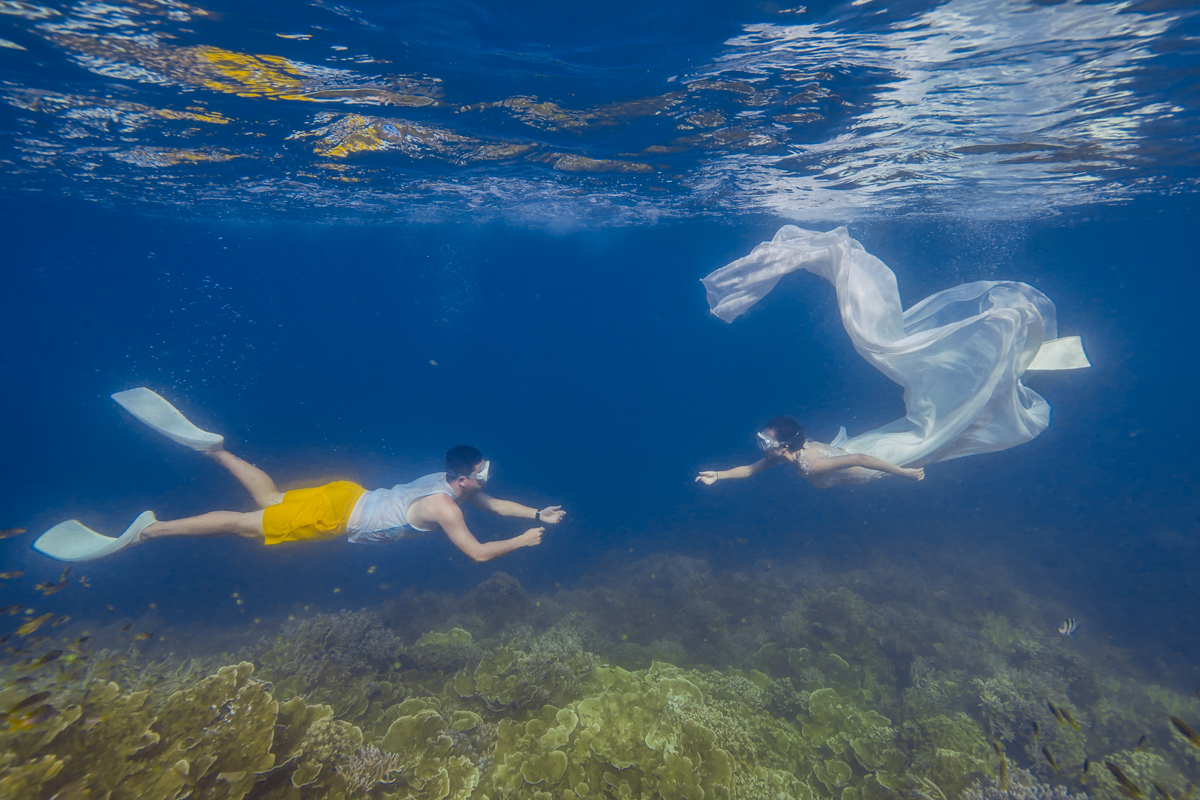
{"points": [[474, 482]]}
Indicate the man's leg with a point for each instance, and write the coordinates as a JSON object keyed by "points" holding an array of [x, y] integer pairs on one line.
{"points": [[257, 483], [248, 525]]}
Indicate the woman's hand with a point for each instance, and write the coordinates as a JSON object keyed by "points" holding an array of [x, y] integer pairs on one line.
{"points": [[708, 477], [552, 514]]}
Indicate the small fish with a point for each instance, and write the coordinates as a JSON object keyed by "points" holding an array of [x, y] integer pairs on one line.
{"points": [[23, 680], [126, 627], [1141, 742], [1037, 729], [83, 640], [1124, 785], [141, 637], [83, 579], [50, 588], [1003, 766], [1191, 735], [8, 533], [46, 659], [1067, 716], [33, 699], [64, 575], [8, 575], [17, 609], [1057, 714], [34, 624], [432, 362], [5, 638], [1068, 627], [1050, 758], [60, 621], [1087, 762], [1158, 787], [29, 720]]}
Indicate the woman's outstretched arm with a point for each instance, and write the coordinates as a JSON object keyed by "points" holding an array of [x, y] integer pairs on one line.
{"points": [[709, 477], [833, 463]]}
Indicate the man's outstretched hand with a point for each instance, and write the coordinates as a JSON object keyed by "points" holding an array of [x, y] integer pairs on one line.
{"points": [[552, 515]]}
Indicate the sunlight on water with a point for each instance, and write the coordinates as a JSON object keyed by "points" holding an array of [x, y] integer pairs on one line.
{"points": [[967, 108], [1003, 110]]}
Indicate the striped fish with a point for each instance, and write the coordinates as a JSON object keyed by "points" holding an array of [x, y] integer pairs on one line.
{"points": [[1069, 626]]}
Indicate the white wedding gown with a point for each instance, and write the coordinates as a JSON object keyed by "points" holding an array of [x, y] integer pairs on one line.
{"points": [[959, 354]]}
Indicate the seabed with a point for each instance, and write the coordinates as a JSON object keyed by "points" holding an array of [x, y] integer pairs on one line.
{"points": [[663, 679]]}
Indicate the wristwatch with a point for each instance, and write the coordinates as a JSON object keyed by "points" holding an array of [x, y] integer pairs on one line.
{"points": [[537, 514]]}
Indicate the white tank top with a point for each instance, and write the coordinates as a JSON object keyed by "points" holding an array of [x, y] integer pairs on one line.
{"points": [[382, 515]]}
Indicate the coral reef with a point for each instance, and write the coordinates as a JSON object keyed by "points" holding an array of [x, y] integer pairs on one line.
{"points": [[545, 669], [1020, 785], [346, 643], [863, 685], [346, 660], [368, 768]]}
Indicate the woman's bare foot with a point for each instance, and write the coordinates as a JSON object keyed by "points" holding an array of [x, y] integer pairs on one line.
{"points": [[147, 533], [917, 474]]}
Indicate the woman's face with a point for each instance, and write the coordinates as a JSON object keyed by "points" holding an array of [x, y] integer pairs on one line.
{"points": [[778, 451]]}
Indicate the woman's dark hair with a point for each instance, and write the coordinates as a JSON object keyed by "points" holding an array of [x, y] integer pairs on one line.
{"points": [[462, 460], [787, 431]]}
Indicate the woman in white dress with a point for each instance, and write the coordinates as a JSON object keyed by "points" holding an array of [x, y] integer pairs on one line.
{"points": [[782, 442], [959, 355]]}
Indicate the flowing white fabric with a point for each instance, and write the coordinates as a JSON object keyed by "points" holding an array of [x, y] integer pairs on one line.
{"points": [[959, 354]]}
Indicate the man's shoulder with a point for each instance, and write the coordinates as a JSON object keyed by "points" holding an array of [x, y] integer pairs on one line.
{"points": [[438, 501]]}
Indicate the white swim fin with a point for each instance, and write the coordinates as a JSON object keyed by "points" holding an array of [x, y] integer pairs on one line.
{"points": [[165, 418], [1064, 353], [74, 541]]}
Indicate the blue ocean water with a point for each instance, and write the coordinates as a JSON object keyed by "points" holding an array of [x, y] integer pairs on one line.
{"points": [[348, 237]]}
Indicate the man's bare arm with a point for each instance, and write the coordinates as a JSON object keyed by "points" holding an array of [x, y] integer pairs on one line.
{"points": [[450, 517], [507, 508]]}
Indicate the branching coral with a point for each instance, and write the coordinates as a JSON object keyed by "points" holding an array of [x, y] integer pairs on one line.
{"points": [[368, 768], [1020, 785]]}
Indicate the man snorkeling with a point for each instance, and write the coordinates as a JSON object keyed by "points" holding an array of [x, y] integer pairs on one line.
{"points": [[341, 508]]}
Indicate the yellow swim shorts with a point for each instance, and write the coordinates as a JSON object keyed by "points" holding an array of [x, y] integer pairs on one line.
{"points": [[311, 514]]}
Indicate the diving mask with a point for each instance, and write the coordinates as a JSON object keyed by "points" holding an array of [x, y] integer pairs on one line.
{"points": [[767, 442], [481, 475]]}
